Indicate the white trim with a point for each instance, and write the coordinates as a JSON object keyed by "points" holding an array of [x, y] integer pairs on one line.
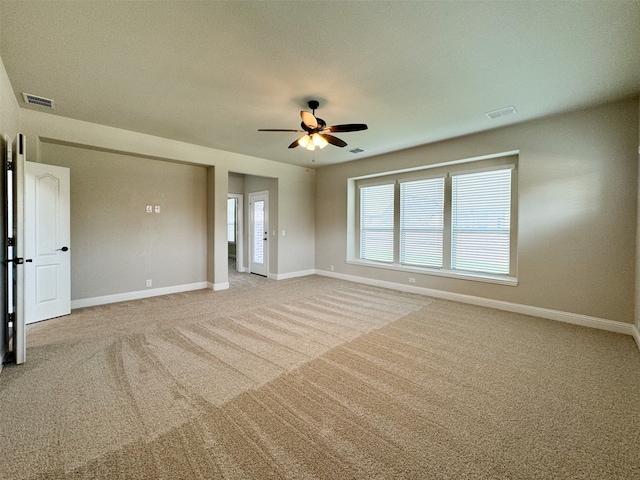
{"points": [[439, 165], [216, 287], [440, 272], [566, 317], [124, 297], [636, 335], [284, 276]]}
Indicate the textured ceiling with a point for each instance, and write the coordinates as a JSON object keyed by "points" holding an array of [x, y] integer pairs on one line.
{"points": [[213, 73]]}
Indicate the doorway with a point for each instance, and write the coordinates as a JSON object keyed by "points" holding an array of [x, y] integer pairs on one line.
{"points": [[235, 232], [259, 233]]}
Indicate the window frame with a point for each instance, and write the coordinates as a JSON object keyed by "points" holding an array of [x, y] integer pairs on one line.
{"points": [[508, 160]]}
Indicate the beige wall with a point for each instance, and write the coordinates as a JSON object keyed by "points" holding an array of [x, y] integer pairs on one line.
{"points": [[236, 183], [9, 109], [292, 201], [44, 130], [637, 302], [577, 211], [115, 245]]}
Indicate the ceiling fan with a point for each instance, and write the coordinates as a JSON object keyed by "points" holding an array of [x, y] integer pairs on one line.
{"points": [[317, 134]]}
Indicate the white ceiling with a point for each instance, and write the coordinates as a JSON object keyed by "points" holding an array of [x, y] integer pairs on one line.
{"points": [[213, 73]]}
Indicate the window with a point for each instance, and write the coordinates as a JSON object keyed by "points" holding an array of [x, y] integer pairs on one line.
{"points": [[458, 221], [480, 222], [422, 222], [231, 220], [377, 222]]}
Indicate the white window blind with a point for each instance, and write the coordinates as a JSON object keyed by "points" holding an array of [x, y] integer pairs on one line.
{"points": [[376, 222], [422, 222], [481, 221]]}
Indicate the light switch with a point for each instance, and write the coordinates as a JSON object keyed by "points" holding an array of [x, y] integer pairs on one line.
{"points": [[283, 233]]}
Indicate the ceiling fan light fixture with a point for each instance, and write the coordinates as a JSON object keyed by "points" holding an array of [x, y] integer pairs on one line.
{"points": [[319, 141], [304, 141]]}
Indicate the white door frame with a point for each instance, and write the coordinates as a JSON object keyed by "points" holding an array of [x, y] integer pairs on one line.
{"points": [[9, 254], [254, 267], [239, 231], [20, 337]]}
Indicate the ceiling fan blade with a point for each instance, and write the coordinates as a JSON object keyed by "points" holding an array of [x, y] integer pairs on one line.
{"points": [[277, 130], [333, 140], [295, 142], [309, 120], [348, 127]]}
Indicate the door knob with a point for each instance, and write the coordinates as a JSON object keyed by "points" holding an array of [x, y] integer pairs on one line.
{"points": [[64, 249]]}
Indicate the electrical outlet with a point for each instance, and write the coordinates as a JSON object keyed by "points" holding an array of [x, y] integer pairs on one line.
{"points": [[157, 208], [332, 268], [149, 283], [149, 209], [412, 280]]}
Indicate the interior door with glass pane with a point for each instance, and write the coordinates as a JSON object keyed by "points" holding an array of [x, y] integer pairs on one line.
{"points": [[259, 233]]}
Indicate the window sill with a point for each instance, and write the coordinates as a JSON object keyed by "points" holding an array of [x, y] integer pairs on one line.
{"points": [[440, 272]]}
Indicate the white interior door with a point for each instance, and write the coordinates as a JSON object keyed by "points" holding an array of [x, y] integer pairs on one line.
{"points": [[259, 234], [47, 238]]}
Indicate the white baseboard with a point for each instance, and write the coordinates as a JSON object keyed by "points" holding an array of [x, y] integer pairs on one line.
{"points": [[218, 286], [123, 297], [566, 317], [284, 276], [636, 335]]}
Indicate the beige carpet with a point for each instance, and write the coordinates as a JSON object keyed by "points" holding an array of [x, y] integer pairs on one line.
{"points": [[318, 378]]}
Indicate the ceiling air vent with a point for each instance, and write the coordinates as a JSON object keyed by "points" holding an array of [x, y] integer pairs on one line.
{"points": [[40, 101], [357, 150], [502, 112]]}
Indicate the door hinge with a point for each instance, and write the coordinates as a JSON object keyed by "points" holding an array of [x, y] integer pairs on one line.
{"points": [[11, 242], [11, 317], [9, 166], [20, 260]]}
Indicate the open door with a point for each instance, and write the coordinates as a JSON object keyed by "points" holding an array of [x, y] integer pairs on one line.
{"points": [[47, 242], [259, 235], [6, 277]]}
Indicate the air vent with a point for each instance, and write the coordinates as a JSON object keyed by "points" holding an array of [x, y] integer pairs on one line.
{"points": [[357, 150], [502, 112], [40, 101]]}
